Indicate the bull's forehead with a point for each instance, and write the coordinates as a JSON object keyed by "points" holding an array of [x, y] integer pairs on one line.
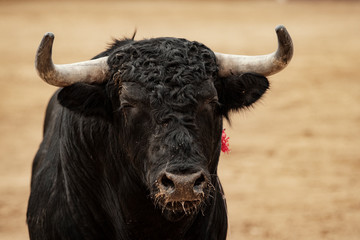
{"points": [[170, 71], [172, 62], [167, 94]]}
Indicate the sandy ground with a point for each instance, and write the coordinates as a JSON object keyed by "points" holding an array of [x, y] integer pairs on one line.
{"points": [[294, 168]]}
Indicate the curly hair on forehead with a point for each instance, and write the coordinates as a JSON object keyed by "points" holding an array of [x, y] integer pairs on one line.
{"points": [[171, 62], [170, 69]]}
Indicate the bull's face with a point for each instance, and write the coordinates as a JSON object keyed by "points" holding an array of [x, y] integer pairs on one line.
{"points": [[168, 98], [172, 120], [173, 141]]}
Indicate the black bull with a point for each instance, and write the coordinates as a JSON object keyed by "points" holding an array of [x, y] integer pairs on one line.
{"points": [[134, 155]]}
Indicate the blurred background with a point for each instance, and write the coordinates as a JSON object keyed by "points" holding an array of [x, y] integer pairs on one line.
{"points": [[294, 167]]}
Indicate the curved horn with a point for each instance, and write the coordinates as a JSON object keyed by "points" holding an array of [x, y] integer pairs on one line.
{"points": [[264, 64], [62, 75]]}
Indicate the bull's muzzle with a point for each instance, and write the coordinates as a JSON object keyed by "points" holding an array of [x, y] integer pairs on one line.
{"points": [[177, 192], [178, 187]]}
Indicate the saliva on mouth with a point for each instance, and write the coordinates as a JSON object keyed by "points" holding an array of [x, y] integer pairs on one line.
{"points": [[177, 210]]}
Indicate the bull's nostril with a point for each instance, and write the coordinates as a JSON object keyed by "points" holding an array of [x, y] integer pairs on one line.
{"points": [[166, 182], [199, 181]]}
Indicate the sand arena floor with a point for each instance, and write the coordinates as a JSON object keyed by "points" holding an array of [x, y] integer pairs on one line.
{"points": [[294, 168]]}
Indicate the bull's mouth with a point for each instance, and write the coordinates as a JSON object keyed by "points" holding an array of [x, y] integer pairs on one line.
{"points": [[177, 210], [185, 207]]}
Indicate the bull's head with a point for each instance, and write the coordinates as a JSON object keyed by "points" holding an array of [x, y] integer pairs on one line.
{"points": [[171, 95]]}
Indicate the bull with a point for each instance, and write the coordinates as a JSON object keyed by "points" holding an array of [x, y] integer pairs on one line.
{"points": [[132, 139]]}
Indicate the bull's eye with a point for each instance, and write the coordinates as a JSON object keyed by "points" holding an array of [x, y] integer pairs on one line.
{"points": [[214, 102], [215, 105], [125, 105]]}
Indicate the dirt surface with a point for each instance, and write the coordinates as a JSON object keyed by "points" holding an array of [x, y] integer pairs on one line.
{"points": [[294, 168]]}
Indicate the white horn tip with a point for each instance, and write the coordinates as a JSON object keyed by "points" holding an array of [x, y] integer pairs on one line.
{"points": [[49, 34], [280, 28]]}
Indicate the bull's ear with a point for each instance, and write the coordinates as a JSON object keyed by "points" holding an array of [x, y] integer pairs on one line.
{"points": [[240, 91], [86, 99]]}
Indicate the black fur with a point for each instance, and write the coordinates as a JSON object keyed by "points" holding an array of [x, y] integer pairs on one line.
{"points": [[86, 99], [240, 91], [104, 145]]}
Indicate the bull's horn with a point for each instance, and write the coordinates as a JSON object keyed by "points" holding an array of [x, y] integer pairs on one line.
{"points": [[62, 75], [264, 64]]}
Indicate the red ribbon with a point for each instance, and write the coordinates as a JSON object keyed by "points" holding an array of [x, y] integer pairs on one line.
{"points": [[224, 142]]}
